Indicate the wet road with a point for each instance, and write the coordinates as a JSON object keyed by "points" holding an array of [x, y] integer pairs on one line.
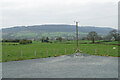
{"points": [[63, 67]]}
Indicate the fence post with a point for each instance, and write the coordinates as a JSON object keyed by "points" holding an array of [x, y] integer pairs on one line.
{"points": [[53, 52], [47, 53], [65, 51], [95, 51], [21, 53], [73, 50], [108, 52], [18, 53], [17, 57], [57, 52], [5, 57], [85, 51], [35, 52]]}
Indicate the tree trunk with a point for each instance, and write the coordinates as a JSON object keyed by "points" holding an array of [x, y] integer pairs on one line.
{"points": [[93, 41]]}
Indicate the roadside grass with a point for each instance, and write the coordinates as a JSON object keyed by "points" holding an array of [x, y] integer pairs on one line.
{"points": [[43, 50]]}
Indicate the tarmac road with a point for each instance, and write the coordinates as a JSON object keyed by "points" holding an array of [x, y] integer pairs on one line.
{"points": [[71, 66]]}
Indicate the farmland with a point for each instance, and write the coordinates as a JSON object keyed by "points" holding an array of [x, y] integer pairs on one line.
{"points": [[16, 51]]}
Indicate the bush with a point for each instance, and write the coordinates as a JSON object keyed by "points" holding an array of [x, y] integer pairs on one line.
{"points": [[25, 41], [10, 40], [106, 41], [59, 38]]}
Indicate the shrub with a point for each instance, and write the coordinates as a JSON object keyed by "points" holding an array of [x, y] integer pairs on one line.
{"points": [[25, 41], [10, 40], [59, 38]]}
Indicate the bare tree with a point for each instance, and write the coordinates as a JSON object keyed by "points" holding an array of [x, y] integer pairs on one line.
{"points": [[59, 38], [114, 34], [42, 39], [108, 37], [92, 36], [47, 38]]}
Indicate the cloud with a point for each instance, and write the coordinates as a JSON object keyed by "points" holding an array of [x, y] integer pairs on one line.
{"points": [[30, 12]]}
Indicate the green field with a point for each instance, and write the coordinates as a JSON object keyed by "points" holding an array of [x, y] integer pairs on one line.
{"points": [[12, 52]]}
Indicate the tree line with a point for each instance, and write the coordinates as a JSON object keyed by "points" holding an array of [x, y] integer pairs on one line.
{"points": [[112, 35], [23, 41]]}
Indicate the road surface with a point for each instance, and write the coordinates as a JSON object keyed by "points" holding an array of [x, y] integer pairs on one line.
{"points": [[71, 66]]}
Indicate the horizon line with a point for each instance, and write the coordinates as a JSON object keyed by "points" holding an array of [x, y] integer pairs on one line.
{"points": [[58, 24]]}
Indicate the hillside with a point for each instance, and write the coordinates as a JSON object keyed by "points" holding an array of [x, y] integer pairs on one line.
{"points": [[51, 31]]}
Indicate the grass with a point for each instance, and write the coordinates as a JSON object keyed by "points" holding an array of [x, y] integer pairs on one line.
{"points": [[112, 42], [43, 50]]}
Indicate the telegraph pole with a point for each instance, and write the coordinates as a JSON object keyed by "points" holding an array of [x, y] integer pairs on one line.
{"points": [[77, 49]]}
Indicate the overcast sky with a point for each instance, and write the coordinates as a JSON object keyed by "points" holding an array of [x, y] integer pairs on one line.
{"points": [[102, 13]]}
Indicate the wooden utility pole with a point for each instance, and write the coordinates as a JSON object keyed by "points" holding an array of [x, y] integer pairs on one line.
{"points": [[77, 49]]}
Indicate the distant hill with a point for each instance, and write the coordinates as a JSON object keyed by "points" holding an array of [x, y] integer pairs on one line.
{"points": [[52, 31]]}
